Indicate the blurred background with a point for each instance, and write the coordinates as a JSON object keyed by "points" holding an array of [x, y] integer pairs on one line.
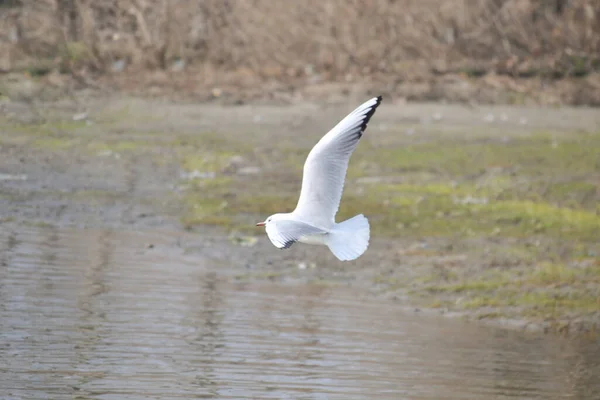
{"points": [[141, 140], [481, 167], [485, 149], [519, 50]]}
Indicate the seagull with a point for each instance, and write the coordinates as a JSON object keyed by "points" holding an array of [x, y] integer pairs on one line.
{"points": [[313, 220]]}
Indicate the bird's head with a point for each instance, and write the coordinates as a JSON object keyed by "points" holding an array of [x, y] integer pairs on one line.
{"points": [[272, 218]]}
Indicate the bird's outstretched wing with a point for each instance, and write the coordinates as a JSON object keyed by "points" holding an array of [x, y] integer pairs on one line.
{"points": [[284, 233], [326, 164]]}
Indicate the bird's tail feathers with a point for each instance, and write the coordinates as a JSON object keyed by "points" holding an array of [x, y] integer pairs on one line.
{"points": [[349, 239]]}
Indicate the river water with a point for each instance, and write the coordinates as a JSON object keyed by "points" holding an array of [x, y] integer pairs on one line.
{"points": [[100, 314]]}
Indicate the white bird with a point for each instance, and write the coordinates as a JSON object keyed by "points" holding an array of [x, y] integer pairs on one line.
{"points": [[313, 220]]}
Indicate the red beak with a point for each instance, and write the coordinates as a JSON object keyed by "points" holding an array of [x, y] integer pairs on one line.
{"points": [[260, 224]]}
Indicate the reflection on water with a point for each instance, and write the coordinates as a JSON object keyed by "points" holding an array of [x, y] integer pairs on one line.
{"points": [[97, 314]]}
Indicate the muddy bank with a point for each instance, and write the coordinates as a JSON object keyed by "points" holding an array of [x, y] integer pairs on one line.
{"points": [[485, 212]]}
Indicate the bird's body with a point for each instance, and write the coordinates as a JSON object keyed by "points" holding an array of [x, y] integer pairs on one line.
{"points": [[317, 238], [313, 220]]}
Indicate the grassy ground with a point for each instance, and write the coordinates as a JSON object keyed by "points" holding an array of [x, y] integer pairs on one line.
{"points": [[490, 221], [535, 185]]}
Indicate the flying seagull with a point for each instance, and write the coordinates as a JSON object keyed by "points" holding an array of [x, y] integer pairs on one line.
{"points": [[313, 220]]}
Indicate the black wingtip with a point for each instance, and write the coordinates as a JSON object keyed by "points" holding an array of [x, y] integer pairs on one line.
{"points": [[288, 244], [370, 114]]}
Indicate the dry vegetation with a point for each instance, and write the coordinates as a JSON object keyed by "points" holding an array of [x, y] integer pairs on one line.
{"points": [[307, 42]]}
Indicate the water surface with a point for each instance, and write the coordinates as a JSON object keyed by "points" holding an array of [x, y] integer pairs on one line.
{"points": [[97, 314]]}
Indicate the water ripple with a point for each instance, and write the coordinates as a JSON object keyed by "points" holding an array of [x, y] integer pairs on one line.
{"points": [[95, 314]]}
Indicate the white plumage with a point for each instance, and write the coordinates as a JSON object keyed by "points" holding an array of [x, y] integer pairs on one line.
{"points": [[313, 220]]}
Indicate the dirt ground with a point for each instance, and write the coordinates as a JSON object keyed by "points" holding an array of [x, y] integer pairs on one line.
{"points": [[489, 213]]}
